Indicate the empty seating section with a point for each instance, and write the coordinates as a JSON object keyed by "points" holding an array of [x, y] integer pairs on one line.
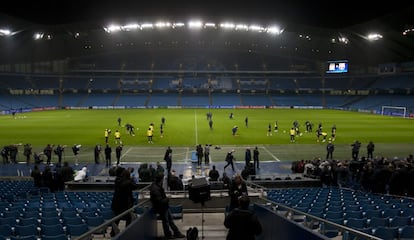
{"points": [[225, 99], [256, 100], [195, 83], [380, 215], [177, 79], [199, 99], [166, 99], [253, 84], [47, 215]]}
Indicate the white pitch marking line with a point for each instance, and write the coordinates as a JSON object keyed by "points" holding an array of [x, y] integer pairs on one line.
{"points": [[277, 159]]}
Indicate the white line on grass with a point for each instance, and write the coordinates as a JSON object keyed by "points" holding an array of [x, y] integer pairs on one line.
{"points": [[271, 154], [195, 126], [127, 151]]}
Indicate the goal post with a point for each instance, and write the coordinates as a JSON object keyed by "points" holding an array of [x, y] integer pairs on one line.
{"points": [[394, 111]]}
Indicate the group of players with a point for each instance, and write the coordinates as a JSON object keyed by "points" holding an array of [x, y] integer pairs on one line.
{"points": [[295, 131], [130, 129]]}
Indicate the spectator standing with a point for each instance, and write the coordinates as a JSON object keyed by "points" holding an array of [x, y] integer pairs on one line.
{"points": [[242, 222], [37, 176], [59, 150], [355, 149], [108, 152], [48, 153], [207, 154], [237, 189], [200, 154], [47, 177], [370, 150], [330, 147], [27, 152], [159, 170], [168, 159], [118, 152], [256, 158], [247, 156], [123, 198], [160, 204], [97, 153], [67, 172]]}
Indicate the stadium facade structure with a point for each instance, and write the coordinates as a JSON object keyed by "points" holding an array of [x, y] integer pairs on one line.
{"points": [[83, 66]]}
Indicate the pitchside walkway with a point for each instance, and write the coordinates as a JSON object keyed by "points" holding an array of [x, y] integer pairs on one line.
{"points": [[187, 169]]}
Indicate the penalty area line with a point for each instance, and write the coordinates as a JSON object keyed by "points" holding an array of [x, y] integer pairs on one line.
{"points": [[271, 154]]}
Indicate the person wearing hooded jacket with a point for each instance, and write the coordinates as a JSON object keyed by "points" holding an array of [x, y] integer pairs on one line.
{"points": [[123, 198]]}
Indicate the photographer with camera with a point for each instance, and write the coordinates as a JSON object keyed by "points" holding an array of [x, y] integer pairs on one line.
{"points": [[75, 150]]}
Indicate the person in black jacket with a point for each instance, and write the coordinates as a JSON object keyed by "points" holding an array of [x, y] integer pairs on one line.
{"points": [[160, 204], [237, 189], [123, 198], [118, 151], [168, 159], [242, 223], [108, 152]]}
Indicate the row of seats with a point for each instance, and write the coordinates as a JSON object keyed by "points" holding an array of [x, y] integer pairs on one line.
{"points": [[366, 212]]}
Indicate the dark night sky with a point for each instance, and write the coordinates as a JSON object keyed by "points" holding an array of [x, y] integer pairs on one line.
{"points": [[329, 14]]}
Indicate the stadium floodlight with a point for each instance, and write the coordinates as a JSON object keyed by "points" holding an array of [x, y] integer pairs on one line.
{"points": [[407, 31], [242, 27], [275, 30], [178, 25], [256, 28], [195, 24], [343, 40], [5, 32], [162, 24], [38, 36], [112, 28], [210, 25], [147, 26], [374, 36], [228, 25], [130, 26]]}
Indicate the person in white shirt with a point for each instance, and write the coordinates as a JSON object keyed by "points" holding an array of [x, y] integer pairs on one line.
{"points": [[81, 175]]}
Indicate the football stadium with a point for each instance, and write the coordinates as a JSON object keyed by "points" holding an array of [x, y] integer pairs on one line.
{"points": [[317, 120]]}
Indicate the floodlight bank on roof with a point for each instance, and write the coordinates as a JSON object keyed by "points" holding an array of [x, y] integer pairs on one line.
{"points": [[195, 24]]}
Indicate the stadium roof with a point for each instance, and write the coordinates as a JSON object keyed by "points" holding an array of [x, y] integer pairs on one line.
{"points": [[325, 14], [313, 29]]}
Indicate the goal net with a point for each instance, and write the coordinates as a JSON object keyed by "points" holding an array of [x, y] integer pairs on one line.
{"points": [[394, 111]]}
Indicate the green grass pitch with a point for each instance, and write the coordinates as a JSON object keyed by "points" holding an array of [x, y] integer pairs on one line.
{"points": [[185, 128]]}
